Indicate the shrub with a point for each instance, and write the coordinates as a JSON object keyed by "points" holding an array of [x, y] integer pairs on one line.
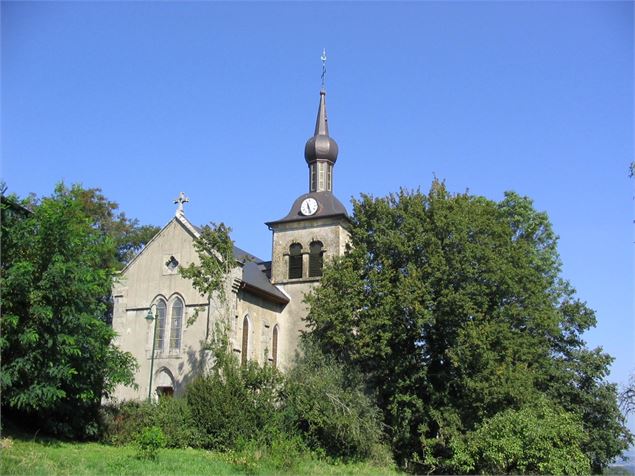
{"points": [[174, 417], [326, 402], [539, 438], [225, 409], [149, 441], [234, 402], [122, 422]]}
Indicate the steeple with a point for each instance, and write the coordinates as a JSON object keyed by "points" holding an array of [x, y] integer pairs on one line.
{"points": [[321, 123], [321, 150], [321, 147]]}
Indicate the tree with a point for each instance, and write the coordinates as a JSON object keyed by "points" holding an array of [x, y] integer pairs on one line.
{"points": [[453, 307], [58, 360], [215, 250], [627, 396], [128, 236]]}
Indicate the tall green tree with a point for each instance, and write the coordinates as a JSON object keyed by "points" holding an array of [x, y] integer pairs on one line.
{"points": [[58, 360], [453, 307], [128, 236]]}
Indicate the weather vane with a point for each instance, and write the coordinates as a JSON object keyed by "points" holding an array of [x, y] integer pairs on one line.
{"points": [[323, 58]]}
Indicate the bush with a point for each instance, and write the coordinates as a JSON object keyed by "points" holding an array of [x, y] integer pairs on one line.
{"points": [[149, 441], [326, 402], [262, 419], [234, 402], [174, 417], [537, 439], [122, 422]]}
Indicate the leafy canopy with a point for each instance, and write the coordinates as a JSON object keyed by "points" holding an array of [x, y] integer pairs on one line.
{"points": [[215, 250], [453, 307], [57, 357]]}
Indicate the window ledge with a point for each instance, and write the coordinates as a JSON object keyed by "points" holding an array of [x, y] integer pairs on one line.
{"points": [[163, 355]]}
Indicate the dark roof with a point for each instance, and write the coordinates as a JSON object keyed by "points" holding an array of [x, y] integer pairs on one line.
{"points": [[255, 281], [242, 256], [13, 204], [321, 146], [328, 206], [255, 278]]}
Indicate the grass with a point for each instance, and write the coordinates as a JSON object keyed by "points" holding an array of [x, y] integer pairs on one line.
{"points": [[42, 456]]}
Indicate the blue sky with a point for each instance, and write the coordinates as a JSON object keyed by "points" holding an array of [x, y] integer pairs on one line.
{"points": [[149, 99]]}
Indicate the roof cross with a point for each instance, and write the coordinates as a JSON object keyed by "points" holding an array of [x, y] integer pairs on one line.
{"points": [[181, 200]]}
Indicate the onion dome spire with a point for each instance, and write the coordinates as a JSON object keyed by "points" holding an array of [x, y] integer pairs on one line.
{"points": [[321, 146], [321, 150]]}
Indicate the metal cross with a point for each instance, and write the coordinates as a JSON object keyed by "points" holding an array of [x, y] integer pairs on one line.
{"points": [[323, 58], [182, 199]]}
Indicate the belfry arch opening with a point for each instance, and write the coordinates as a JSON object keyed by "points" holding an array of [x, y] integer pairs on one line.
{"points": [[295, 261], [316, 259]]}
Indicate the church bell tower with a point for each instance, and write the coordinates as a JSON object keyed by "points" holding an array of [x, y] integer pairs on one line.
{"points": [[315, 229]]}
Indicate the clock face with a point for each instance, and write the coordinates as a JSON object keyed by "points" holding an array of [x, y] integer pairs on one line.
{"points": [[309, 206]]}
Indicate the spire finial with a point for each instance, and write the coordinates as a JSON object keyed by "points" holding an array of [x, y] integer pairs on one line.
{"points": [[181, 200], [323, 58]]}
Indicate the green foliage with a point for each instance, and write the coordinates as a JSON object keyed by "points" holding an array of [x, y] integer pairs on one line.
{"points": [[261, 418], [537, 439], [452, 307], [215, 250], [57, 357], [233, 402], [121, 423], [327, 403], [149, 441], [174, 417], [127, 235], [283, 452]]}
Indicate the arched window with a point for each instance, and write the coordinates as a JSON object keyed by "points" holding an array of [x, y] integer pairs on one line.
{"points": [[245, 347], [274, 347], [316, 259], [177, 324], [295, 261], [160, 329]]}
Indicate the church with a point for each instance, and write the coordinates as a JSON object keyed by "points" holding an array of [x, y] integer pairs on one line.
{"points": [[264, 308]]}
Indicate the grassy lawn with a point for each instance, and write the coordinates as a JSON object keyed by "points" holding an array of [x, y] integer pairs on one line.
{"points": [[40, 456]]}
